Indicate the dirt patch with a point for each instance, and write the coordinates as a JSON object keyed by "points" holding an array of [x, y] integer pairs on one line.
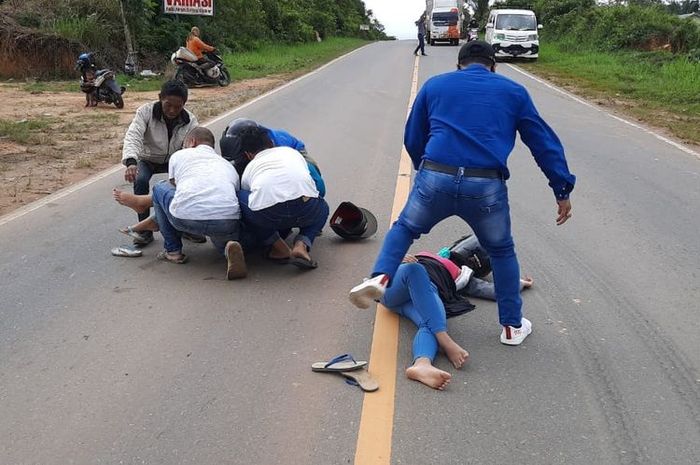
{"points": [[25, 52], [70, 142]]}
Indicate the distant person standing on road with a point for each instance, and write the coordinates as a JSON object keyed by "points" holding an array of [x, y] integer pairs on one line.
{"points": [[157, 131], [462, 171], [421, 35]]}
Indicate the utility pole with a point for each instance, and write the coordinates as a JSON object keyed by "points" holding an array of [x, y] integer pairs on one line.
{"points": [[131, 63]]}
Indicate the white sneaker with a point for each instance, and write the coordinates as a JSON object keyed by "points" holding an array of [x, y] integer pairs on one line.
{"points": [[514, 336], [370, 290]]}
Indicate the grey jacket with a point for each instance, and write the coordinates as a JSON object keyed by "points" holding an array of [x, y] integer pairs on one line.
{"points": [[147, 136]]}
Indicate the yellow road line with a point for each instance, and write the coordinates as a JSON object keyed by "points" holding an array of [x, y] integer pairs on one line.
{"points": [[377, 420]]}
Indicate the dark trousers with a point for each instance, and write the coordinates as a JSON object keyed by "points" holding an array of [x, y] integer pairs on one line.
{"points": [[421, 45], [307, 214], [171, 228], [145, 171]]}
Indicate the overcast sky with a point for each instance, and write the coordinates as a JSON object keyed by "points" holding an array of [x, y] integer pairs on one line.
{"points": [[398, 16]]}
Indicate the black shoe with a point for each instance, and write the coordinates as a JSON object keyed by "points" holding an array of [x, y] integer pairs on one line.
{"points": [[424, 54], [196, 238], [142, 239]]}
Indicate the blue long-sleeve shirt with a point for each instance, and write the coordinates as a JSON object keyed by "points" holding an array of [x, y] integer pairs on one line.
{"points": [[468, 118], [282, 138]]}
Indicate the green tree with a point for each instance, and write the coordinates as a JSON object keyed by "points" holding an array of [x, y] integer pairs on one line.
{"points": [[481, 9]]}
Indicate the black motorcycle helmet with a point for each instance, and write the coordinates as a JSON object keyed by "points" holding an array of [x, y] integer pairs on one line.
{"points": [[231, 143], [467, 251]]}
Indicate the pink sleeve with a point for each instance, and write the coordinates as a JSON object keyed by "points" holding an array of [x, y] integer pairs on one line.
{"points": [[451, 267]]}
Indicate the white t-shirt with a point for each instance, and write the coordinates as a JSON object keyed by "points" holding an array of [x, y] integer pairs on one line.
{"points": [[206, 185], [277, 175]]}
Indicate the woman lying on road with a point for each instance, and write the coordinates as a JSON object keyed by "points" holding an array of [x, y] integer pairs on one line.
{"points": [[426, 290]]}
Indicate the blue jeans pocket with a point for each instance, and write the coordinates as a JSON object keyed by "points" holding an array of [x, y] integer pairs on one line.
{"points": [[494, 203], [492, 207], [424, 193]]}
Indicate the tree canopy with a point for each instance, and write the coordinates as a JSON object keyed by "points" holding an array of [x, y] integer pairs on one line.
{"points": [[236, 25]]}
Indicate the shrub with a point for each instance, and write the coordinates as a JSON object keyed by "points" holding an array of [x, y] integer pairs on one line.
{"points": [[238, 25], [685, 36], [618, 27]]}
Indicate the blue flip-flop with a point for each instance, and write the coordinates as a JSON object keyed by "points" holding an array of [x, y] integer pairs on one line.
{"points": [[344, 362], [362, 379]]}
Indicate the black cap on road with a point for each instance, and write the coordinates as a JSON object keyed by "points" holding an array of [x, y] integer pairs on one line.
{"points": [[476, 49]]}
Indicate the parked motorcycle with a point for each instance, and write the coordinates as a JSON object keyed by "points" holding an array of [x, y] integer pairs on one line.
{"points": [[99, 85], [194, 73], [472, 34]]}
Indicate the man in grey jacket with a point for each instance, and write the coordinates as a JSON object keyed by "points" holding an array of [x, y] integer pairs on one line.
{"points": [[157, 131]]}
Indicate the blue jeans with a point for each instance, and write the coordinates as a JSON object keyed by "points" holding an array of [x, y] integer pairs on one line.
{"points": [[413, 296], [483, 204], [171, 228], [480, 289], [309, 216], [421, 45], [144, 172]]}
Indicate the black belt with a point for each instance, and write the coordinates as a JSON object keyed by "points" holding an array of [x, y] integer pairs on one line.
{"points": [[466, 172]]}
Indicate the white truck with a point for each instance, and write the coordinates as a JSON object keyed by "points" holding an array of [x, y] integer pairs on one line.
{"points": [[513, 33], [444, 20]]}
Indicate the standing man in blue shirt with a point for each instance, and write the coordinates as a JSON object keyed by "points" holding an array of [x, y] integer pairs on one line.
{"points": [[459, 135]]}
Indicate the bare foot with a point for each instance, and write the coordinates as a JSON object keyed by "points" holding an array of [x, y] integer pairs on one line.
{"points": [[424, 372], [526, 282], [455, 353], [279, 250], [138, 203], [300, 250]]}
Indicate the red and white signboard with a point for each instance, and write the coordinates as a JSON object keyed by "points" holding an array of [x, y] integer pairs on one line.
{"points": [[189, 7]]}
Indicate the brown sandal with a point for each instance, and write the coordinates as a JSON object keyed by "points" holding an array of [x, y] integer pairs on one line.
{"points": [[165, 256]]}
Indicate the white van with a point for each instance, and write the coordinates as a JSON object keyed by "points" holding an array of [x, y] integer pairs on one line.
{"points": [[445, 19], [513, 33]]}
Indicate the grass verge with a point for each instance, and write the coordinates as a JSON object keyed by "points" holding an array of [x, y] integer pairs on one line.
{"points": [[280, 59], [655, 87], [24, 131], [264, 61]]}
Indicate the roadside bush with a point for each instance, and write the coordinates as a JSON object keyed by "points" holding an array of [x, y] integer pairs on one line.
{"points": [[295, 29], [618, 27], [685, 36], [238, 25], [621, 27], [86, 30], [548, 11]]}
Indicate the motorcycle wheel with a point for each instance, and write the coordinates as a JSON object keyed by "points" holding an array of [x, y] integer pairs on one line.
{"points": [[224, 77], [118, 101], [181, 75]]}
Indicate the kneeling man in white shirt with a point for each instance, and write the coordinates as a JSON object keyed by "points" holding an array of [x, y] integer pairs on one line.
{"points": [[200, 198], [278, 193]]}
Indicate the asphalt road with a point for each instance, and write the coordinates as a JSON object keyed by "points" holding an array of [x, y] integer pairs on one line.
{"points": [[128, 361]]}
